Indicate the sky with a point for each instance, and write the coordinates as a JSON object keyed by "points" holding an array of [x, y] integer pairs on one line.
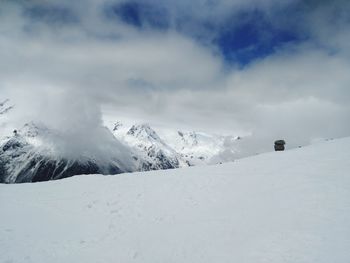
{"points": [[270, 68]]}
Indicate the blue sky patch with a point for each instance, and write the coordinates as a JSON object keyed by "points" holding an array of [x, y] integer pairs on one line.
{"points": [[241, 38], [252, 36]]}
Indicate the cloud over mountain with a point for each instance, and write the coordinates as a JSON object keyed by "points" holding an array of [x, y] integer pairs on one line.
{"points": [[264, 67]]}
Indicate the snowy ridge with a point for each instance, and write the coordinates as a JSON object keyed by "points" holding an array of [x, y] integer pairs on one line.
{"points": [[155, 154], [189, 148], [200, 148], [288, 206]]}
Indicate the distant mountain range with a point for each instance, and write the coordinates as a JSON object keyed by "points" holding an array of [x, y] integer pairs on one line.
{"points": [[37, 153], [183, 148]]}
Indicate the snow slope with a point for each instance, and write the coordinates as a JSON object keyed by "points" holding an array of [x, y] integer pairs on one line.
{"points": [[291, 206]]}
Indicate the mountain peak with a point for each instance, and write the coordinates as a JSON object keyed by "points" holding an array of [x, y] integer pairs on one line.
{"points": [[143, 131], [32, 129], [189, 138]]}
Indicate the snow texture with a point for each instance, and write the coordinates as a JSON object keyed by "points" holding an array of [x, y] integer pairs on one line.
{"points": [[290, 206]]}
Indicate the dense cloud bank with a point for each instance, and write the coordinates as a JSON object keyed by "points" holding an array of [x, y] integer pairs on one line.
{"points": [[201, 65]]}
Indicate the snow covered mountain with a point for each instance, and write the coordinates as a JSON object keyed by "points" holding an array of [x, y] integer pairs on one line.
{"points": [[289, 207], [36, 153], [199, 148], [180, 148], [154, 152]]}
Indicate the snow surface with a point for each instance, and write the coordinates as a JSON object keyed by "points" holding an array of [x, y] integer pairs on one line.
{"points": [[291, 206]]}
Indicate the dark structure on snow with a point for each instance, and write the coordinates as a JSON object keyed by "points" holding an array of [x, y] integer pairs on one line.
{"points": [[279, 145]]}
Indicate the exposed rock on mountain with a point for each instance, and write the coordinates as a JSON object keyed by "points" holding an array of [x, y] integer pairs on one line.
{"points": [[155, 153], [27, 157]]}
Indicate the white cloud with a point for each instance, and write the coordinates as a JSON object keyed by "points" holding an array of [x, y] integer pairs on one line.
{"points": [[300, 92]]}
